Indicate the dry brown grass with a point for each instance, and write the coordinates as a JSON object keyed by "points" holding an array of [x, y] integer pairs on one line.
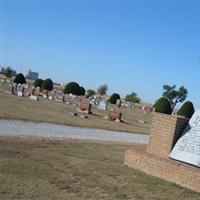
{"points": [[13, 107], [76, 170]]}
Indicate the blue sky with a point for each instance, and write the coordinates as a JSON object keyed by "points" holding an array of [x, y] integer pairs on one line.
{"points": [[130, 45]]}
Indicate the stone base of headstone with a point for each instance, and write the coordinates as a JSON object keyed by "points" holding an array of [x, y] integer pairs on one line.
{"points": [[84, 111], [174, 171], [165, 131], [59, 100]]}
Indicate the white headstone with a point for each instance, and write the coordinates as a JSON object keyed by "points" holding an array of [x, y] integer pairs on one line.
{"points": [[102, 105], [187, 148], [34, 97], [50, 97], [19, 94]]}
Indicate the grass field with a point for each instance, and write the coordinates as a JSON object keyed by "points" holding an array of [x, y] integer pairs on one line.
{"points": [[13, 107], [75, 170]]}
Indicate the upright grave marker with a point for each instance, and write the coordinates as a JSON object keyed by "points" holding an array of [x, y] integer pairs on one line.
{"points": [[165, 143], [114, 115], [187, 148], [103, 105], [85, 107]]}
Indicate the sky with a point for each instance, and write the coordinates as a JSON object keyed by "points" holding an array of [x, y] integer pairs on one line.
{"points": [[130, 45]]}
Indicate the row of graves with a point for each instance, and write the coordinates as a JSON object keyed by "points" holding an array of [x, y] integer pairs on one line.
{"points": [[142, 107], [34, 93], [85, 107]]}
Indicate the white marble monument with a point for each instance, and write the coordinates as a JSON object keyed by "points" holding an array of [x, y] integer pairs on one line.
{"points": [[187, 148], [102, 105]]}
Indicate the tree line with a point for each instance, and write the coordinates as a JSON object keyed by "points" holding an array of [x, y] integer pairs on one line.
{"points": [[171, 96]]}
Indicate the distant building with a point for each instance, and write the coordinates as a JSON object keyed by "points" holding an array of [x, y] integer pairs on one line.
{"points": [[31, 75]]}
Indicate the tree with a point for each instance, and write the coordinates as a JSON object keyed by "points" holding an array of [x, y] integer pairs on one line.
{"points": [[174, 96], [114, 97], [7, 71], [47, 84], [162, 105], [38, 82], [90, 92], [186, 110], [72, 88], [132, 98], [102, 90], [20, 79], [82, 91]]}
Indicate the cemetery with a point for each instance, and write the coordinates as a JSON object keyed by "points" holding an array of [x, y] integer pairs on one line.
{"points": [[99, 100], [96, 109], [173, 150]]}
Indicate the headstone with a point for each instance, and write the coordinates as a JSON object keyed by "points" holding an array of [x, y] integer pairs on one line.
{"points": [[92, 101], [187, 148], [34, 97], [118, 103], [60, 98], [45, 93], [20, 94], [103, 105], [12, 89], [8, 81], [29, 91], [85, 107], [113, 115], [37, 90], [50, 97]]}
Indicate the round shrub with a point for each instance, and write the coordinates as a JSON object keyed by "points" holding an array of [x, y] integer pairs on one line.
{"points": [[47, 84], [162, 105], [20, 79], [38, 83], [114, 98], [72, 88], [186, 110], [82, 91]]}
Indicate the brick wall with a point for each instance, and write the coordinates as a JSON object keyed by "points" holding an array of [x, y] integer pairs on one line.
{"points": [[164, 132], [170, 170]]}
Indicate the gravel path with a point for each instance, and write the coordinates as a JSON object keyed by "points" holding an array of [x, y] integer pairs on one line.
{"points": [[54, 131]]}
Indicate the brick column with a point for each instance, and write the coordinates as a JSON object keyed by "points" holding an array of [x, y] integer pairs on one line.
{"points": [[165, 130]]}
